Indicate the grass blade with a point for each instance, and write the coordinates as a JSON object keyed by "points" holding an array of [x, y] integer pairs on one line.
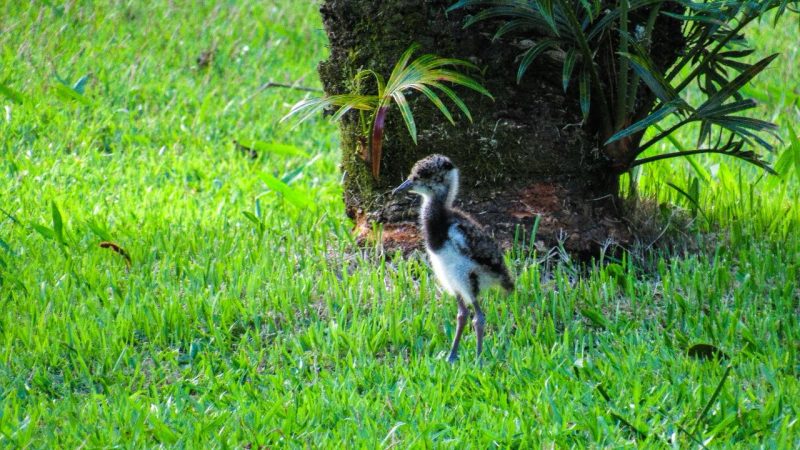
{"points": [[294, 196], [43, 231], [58, 224], [713, 399], [11, 94], [67, 93], [795, 149], [273, 147]]}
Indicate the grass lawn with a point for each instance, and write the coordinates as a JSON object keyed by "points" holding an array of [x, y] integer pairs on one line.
{"points": [[248, 318]]}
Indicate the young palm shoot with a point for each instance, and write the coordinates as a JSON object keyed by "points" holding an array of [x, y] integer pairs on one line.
{"points": [[426, 74]]}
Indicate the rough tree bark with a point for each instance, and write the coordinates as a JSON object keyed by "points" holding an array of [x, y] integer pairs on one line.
{"points": [[527, 153]]}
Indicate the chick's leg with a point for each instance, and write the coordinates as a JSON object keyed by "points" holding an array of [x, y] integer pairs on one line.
{"points": [[461, 320]]}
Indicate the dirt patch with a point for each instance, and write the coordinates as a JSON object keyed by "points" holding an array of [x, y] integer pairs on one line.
{"points": [[404, 235], [583, 226]]}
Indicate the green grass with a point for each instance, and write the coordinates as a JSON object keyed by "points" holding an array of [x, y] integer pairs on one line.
{"points": [[273, 329]]}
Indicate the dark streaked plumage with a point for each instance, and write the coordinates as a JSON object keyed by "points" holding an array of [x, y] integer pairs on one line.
{"points": [[465, 259]]}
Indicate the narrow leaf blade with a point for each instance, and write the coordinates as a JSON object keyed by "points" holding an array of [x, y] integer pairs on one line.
{"points": [[67, 93], [585, 93], [405, 111], [645, 123], [569, 66], [293, 196], [273, 147], [531, 54], [58, 223], [795, 149], [436, 101], [11, 94]]}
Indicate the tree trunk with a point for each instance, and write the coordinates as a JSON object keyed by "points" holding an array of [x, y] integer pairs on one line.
{"points": [[527, 153]]}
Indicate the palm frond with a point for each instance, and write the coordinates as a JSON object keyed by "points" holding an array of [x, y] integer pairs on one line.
{"points": [[530, 55], [646, 69], [376, 76], [545, 8], [733, 150], [428, 92], [714, 61], [569, 65], [426, 74], [405, 111], [453, 98], [513, 25], [663, 112], [732, 88], [585, 92], [305, 109]]}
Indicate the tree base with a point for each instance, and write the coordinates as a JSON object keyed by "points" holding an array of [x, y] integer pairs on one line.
{"points": [[584, 225]]}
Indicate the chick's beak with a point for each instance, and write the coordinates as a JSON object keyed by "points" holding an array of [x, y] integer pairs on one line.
{"points": [[403, 187]]}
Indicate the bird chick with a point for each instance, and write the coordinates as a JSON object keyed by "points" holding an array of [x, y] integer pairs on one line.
{"points": [[465, 259]]}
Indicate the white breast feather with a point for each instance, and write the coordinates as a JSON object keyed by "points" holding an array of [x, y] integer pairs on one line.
{"points": [[452, 267]]}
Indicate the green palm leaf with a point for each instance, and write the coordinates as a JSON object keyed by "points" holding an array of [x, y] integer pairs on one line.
{"points": [[737, 83], [569, 65], [426, 74], [714, 57], [405, 111], [453, 98], [346, 102], [584, 82], [727, 109], [511, 26], [461, 80], [532, 53], [428, 92], [647, 71], [646, 123], [546, 10]]}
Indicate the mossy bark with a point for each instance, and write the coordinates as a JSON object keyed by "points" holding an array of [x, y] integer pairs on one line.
{"points": [[526, 153]]}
